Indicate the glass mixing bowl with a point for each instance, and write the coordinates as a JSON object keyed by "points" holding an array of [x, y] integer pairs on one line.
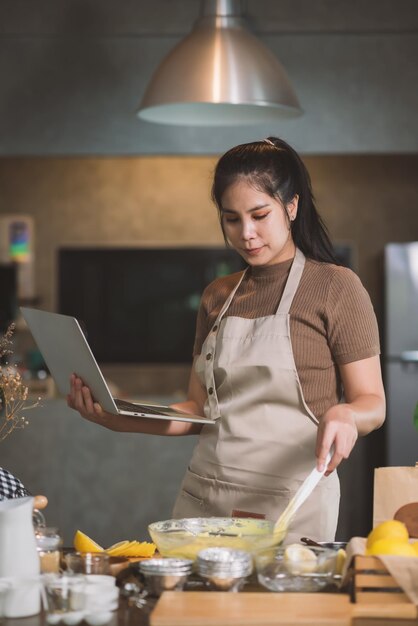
{"points": [[186, 537], [278, 571]]}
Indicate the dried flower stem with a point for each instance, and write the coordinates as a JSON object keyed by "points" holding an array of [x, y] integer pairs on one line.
{"points": [[6, 341], [13, 393]]}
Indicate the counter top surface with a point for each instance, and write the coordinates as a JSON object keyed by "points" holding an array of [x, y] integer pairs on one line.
{"points": [[202, 608], [246, 608]]}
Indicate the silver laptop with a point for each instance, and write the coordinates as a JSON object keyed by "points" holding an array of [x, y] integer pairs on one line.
{"points": [[66, 351]]}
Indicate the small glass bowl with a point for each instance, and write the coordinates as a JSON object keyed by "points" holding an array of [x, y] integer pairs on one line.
{"points": [[277, 572], [87, 562]]}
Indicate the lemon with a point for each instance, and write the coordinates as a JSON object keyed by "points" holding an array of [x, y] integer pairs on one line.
{"points": [[299, 559], [395, 547], [415, 547], [82, 543], [391, 529], [340, 561]]}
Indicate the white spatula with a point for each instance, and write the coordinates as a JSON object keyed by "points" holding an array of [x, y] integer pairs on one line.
{"points": [[300, 496]]}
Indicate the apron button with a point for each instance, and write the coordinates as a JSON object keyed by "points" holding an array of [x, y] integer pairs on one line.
{"points": [[210, 391], [208, 357], [214, 329]]}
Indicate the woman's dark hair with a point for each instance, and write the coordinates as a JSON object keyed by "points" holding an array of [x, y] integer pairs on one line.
{"points": [[276, 169]]}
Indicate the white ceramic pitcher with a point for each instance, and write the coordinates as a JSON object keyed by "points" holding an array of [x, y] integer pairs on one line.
{"points": [[19, 560]]}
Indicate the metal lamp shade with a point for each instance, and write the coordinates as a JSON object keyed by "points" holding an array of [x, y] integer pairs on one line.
{"points": [[218, 75]]}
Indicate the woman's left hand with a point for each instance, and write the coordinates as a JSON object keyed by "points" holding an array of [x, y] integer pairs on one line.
{"points": [[337, 428], [363, 411]]}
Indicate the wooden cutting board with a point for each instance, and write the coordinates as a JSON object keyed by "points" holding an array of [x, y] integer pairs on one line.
{"points": [[217, 608]]}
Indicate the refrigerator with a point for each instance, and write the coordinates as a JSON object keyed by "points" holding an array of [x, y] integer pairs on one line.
{"points": [[401, 351]]}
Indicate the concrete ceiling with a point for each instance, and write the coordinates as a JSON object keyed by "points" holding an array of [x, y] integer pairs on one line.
{"points": [[73, 73]]}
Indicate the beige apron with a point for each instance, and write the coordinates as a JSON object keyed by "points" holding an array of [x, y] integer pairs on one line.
{"points": [[251, 461]]}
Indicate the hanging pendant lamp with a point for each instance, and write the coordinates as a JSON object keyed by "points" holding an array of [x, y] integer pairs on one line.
{"points": [[219, 75]]}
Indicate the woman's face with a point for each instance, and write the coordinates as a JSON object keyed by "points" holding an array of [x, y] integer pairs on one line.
{"points": [[256, 225]]}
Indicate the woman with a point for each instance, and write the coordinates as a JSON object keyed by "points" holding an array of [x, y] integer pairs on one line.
{"points": [[275, 345]]}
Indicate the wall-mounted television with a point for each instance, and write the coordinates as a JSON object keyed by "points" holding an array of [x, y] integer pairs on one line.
{"points": [[139, 305]]}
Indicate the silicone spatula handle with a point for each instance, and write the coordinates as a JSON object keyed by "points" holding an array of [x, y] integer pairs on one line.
{"points": [[302, 493]]}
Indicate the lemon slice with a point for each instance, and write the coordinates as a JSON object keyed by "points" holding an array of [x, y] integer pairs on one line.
{"points": [[83, 543], [299, 559], [129, 549], [118, 548], [117, 545], [141, 549], [132, 549], [147, 548], [340, 561]]}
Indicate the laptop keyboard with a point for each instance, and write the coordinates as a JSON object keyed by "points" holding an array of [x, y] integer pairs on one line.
{"points": [[131, 406], [124, 405]]}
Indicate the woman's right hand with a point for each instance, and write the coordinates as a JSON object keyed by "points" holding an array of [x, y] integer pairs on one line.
{"points": [[81, 400]]}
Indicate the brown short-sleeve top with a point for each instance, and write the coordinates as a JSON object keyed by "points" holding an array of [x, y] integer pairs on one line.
{"points": [[332, 321]]}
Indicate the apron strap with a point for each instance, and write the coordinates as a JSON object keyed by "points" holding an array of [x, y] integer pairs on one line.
{"points": [[290, 289], [292, 282], [229, 298]]}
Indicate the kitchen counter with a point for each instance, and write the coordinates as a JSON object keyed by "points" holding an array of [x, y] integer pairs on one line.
{"points": [[274, 609], [203, 608]]}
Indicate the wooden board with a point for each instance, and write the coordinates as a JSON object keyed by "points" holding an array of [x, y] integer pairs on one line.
{"points": [[217, 608]]}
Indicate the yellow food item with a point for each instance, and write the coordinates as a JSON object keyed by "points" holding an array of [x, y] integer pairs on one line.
{"points": [[391, 529], [246, 534], [202, 541], [132, 548], [415, 547], [340, 561], [117, 548], [299, 559], [117, 545], [395, 547], [140, 548], [83, 543]]}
